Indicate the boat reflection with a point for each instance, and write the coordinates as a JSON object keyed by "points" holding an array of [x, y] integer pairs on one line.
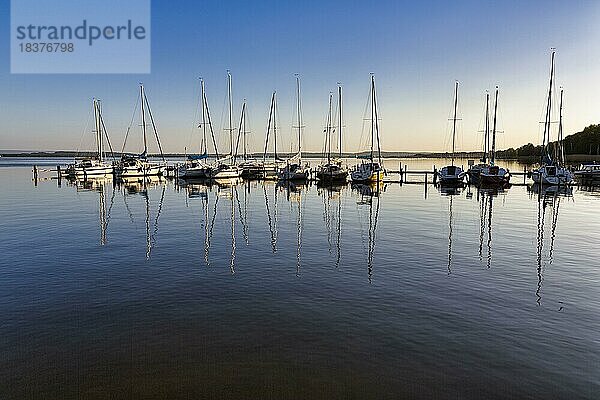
{"points": [[366, 196], [100, 185], [132, 186], [271, 217], [333, 193], [450, 191], [485, 197], [546, 199]]}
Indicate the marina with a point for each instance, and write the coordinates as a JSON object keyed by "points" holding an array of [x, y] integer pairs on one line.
{"points": [[299, 200]]}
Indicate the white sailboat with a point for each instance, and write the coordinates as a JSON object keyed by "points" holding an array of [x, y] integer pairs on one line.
{"points": [[135, 166], [294, 170], [226, 168], [487, 173], [94, 166], [333, 171], [452, 174], [552, 170], [491, 174], [195, 166], [371, 171]]}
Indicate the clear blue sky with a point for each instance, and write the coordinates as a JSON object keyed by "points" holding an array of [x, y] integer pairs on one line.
{"points": [[415, 49]]}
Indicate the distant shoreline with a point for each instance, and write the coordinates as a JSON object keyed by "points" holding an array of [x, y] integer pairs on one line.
{"points": [[384, 154]]}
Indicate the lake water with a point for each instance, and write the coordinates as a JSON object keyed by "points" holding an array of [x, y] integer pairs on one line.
{"points": [[156, 290]]}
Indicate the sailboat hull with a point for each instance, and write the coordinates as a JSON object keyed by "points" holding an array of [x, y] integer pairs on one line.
{"points": [[361, 176], [100, 170], [140, 168], [550, 175]]}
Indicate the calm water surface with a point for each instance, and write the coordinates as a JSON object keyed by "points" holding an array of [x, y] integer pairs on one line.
{"points": [[156, 290]]}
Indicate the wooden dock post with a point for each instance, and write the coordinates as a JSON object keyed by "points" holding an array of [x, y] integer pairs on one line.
{"points": [[35, 175], [400, 170], [435, 175], [524, 174], [58, 174]]}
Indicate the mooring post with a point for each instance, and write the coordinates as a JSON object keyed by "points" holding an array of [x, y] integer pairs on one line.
{"points": [[524, 174], [58, 174], [435, 174], [405, 171], [400, 170], [35, 174]]}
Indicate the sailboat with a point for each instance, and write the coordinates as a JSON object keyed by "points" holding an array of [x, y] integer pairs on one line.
{"points": [[492, 174], [133, 166], [552, 170], [333, 171], [371, 171], [452, 174], [96, 165], [250, 168], [226, 168], [487, 173], [269, 170], [294, 170], [195, 166]]}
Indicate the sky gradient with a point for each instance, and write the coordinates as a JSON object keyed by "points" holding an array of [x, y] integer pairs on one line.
{"points": [[416, 50]]}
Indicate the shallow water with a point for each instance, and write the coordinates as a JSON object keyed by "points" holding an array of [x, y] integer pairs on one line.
{"points": [[158, 290]]}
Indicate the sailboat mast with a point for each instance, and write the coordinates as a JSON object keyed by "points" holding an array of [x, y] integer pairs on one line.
{"points": [[268, 128], [299, 119], [486, 133], [275, 123], [244, 127], [547, 122], [561, 150], [204, 144], [372, 114], [340, 118], [454, 120], [143, 120], [98, 129], [493, 155], [230, 113], [329, 130], [376, 123]]}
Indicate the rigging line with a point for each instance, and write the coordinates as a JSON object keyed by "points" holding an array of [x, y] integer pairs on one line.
{"points": [[377, 127], [87, 125], [237, 145], [154, 128], [112, 153], [210, 125], [269, 129], [137, 100]]}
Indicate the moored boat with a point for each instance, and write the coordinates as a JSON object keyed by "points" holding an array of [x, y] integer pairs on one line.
{"points": [[552, 170], [452, 174], [371, 171], [294, 169], [139, 165], [94, 166], [333, 171]]}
